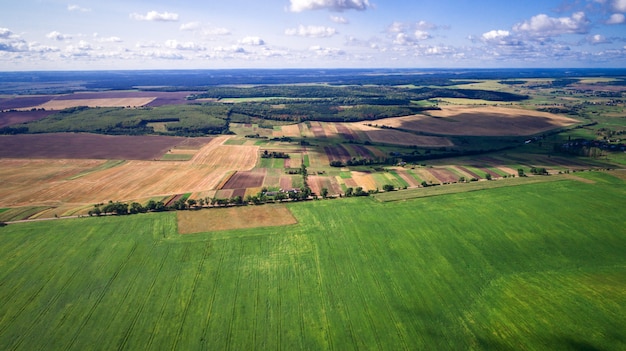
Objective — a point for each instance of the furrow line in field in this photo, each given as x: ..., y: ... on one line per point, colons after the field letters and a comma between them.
x: 55, y: 298
x: 48, y: 305
x: 15, y: 292
x: 165, y: 304
x: 212, y: 300
x: 320, y: 291
x: 100, y: 297
x: 298, y: 269
x: 345, y: 308
x: 256, y: 296
x: 364, y: 304
x: 150, y: 290
x: 196, y: 278
x: 234, y: 310
x: 381, y: 290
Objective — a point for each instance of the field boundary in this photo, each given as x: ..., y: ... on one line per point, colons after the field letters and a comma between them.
x: 415, y: 193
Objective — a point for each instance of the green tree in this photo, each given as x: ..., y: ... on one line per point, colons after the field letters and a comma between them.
x: 488, y: 176
x: 388, y: 187
x: 324, y: 192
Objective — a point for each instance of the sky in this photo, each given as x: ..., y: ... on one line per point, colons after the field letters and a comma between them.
x: 214, y: 34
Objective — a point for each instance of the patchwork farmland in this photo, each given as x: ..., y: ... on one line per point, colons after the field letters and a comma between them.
x: 493, y: 217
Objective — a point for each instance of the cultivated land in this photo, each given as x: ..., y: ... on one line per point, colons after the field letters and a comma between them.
x: 506, y: 233
x: 507, y: 269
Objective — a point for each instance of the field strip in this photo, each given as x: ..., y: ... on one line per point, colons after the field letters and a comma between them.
x: 139, y: 310
x: 233, y: 317
x: 463, y: 187
x: 106, y: 165
x: 216, y: 281
x: 323, y: 298
x: 164, y: 305
x: 100, y: 297
x: 365, y: 307
x: 15, y: 292
x: 378, y: 254
x: 194, y: 286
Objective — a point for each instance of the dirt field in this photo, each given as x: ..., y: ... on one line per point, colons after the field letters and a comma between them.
x: 389, y: 136
x: 480, y: 121
x: 27, y: 181
x: 211, y: 220
x: 108, y: 102
x: 243, y: 180
x: 88, y: 146
x: 11, y: 118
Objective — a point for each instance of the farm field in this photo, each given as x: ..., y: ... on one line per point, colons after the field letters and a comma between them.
x: 32, y: 181
x: 507, y: 268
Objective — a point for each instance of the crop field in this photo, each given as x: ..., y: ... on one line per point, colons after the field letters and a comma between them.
x: 88, y: 146
x: 480, y: 121
x: 506, y: 268
x: 44, y: 181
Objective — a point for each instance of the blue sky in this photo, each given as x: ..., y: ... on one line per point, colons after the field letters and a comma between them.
x: 180, y: 34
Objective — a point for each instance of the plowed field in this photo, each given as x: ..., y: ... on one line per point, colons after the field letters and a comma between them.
x: 480, y: 121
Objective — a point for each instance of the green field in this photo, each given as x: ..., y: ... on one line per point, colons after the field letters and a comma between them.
x: 529, y: 267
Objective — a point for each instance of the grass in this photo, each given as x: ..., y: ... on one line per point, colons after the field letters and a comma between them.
x: 20, y: 213
x: 177, y: 157
x: 507, y: 268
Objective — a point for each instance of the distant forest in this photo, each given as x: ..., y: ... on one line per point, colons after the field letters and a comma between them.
x: 288, y: 103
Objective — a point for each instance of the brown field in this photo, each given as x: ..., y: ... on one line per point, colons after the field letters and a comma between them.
x: 108, y: 102
x: 157, y: 98
x: 88, y: 146
x: 28, y: 181
x: 407, y: 177
x: 11, y: 118
x: 217, y: 219
x: 245, y: 179
x: 480, y: 121
x: 390, y: 136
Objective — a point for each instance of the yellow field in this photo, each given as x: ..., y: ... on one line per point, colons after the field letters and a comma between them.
x: 35, y: 182
x: 108, y: 102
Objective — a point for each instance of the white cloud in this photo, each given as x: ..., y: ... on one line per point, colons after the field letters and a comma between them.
x: 58, y: 36
x: 155, y: 16
x: 189, y: 45
x: 339, y: 19
x: 333, y: 5
x: 72, y: 7
x: 598, y: 39
x: 619, y: 5
x: 215, y: 31
x: 616, y: 18
x: 190, y: 26
x: 397, y: 27
x: 495, y: 35
x: 322, y: 51
x: 252, y: 41
x: 422, y: 35
x: 543, y: 25
x: 5, y: 33
x: 112, y: 39
x: 312, y: 31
